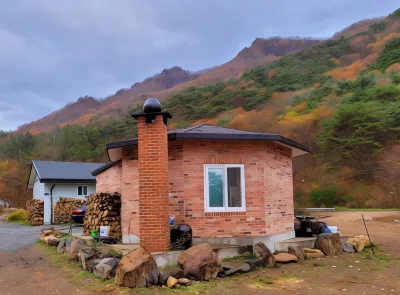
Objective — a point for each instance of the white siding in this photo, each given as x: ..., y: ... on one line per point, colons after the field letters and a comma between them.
x: 61, y: 191
x: 38, y: 190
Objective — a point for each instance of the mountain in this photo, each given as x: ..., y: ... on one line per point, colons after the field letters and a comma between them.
x: 340, y: 96
x: 167, y: 82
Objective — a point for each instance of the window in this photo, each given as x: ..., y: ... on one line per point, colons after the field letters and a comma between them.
x: 82, y: 191
x: 224, y: 188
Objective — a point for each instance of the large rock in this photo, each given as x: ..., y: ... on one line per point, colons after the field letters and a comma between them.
x: 171, y: 282
x: 63, y: 244
x: 255, y: 263
x: 175, y: 272
x: 238, y: 269
x: 106, y: 268
x: 318, y: 254
x: 137, y: 269
x: 297, y: 251
x: 86, y: 255
x: 262, y: 252
x: 329, y: 244
x: 76, y: 245
x: 359, y: 242
x: 200, y: 262
x: 285, y: 258
x: 51, y: 240
x: 348, y: 248
x: 44, y: 233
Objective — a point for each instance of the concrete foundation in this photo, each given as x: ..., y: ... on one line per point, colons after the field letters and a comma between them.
x: 269, y: 241
x: 302, y: 242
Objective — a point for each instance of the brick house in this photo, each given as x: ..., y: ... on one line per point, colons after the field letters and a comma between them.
x: 230, y: 186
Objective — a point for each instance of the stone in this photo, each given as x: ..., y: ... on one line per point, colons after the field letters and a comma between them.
x: 297, y: 251
x: 85, y: 255
x: 242, y: 268
x: 309, y: 250
x: 47, y: 238
x: 76, y: 245
x: 311, y: 255
x: 262, y: 252
x: 285, y: 258
x: 329, y: 244
x: 359, y: 242
x: 171, y: 282
x: 63, y: 244
x: 44, y: 233
x: 106, y: 268
x: 184, y: 281
x: 53, y: 241
x: 175, y: 272
x: 137, y: 269
x: 255, y: 263
x: 348, y: 248
x: 200, y: 263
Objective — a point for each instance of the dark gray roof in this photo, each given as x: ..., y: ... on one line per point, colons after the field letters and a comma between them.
x: 65, y: 171
x: 103, y: 167
x: 211, y: 132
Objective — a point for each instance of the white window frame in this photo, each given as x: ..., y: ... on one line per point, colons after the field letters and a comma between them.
x: 77, y: 190
x: 225, y: 208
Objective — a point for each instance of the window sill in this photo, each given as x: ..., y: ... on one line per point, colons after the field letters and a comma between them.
x: 226, y: 213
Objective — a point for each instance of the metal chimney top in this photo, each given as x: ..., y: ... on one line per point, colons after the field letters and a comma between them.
x: 151, y: 109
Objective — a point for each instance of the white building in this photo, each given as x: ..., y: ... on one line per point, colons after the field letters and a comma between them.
x: 52, y: 180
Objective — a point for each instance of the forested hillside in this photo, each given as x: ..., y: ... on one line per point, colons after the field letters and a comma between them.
x: 340, y: 96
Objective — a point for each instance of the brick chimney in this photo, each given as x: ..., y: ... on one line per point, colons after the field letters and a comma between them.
x: 153, y: 176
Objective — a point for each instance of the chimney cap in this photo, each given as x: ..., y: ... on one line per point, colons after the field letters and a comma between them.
x: 152, y: 105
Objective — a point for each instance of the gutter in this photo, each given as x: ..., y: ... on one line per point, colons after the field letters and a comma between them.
x: 51, y: 202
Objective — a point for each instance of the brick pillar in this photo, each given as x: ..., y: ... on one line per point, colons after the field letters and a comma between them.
x: 153, y: 183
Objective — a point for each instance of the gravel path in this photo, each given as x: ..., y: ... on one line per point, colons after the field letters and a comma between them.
x: 15, y: 236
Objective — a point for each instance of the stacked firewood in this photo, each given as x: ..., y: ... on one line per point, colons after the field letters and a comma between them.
x: 103, y: 209
x: 64, y: 207
x: 35, y: 211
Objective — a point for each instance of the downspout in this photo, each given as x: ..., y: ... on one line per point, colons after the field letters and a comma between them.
x: 51, y: 202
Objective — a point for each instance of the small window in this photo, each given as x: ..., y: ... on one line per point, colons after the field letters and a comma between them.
x: 224, y: 188
x: 82, y: 191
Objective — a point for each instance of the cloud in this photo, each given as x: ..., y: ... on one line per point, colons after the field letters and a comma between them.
x: 53, y: 52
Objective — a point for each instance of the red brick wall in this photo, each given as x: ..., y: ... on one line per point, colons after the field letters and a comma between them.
x: 268, y: 182
x: 153, y: 184
x: 110, y: 180
x: 130, y: 195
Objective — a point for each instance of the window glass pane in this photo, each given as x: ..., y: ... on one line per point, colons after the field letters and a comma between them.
x: 79, y: 190
x: 215, y: 187
x: 85, y: 190
x: 234, y: 187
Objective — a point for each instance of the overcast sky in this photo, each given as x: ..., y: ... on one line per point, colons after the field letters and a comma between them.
x: 52, y: 52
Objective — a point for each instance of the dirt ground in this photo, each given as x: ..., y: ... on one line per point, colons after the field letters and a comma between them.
x: 37, y: 269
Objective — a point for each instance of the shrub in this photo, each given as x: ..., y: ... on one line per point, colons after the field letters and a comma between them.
x: 378, y: 27
x: 18, y: 215
x: 328, y: 197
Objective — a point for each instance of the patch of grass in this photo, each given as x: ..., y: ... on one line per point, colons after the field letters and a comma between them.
x: 17, y: 216
x: 240, y: 257
x: 114, y: 253
x: 24, y: 222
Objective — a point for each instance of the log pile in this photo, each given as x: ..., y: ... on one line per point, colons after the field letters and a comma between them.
x: 64, y: 207
x: 35, y: 211
x: 103, y: 209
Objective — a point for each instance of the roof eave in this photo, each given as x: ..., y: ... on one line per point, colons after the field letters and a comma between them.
x: 59, y: 180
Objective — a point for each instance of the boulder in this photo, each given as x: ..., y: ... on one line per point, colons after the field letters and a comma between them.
x: 53, y: 241
x: 175, y: 272
x: 285, y: 258
x: 297, y: 251
x: 106, y: 268
x: 44, y: 233
x: 262, y: 252
x: 255, y: 263
x: 184, y: 282
x: 61, y: 248
x: 171, y: 282
x: 314, y: 254
x: 76, y: 245
x: 329, y: 244
x: 359, y: 242
x: 85, y: 255
x: 137, y: 269
x: 242, y: 268
x: 200, y: 262
x: 348, y: 248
